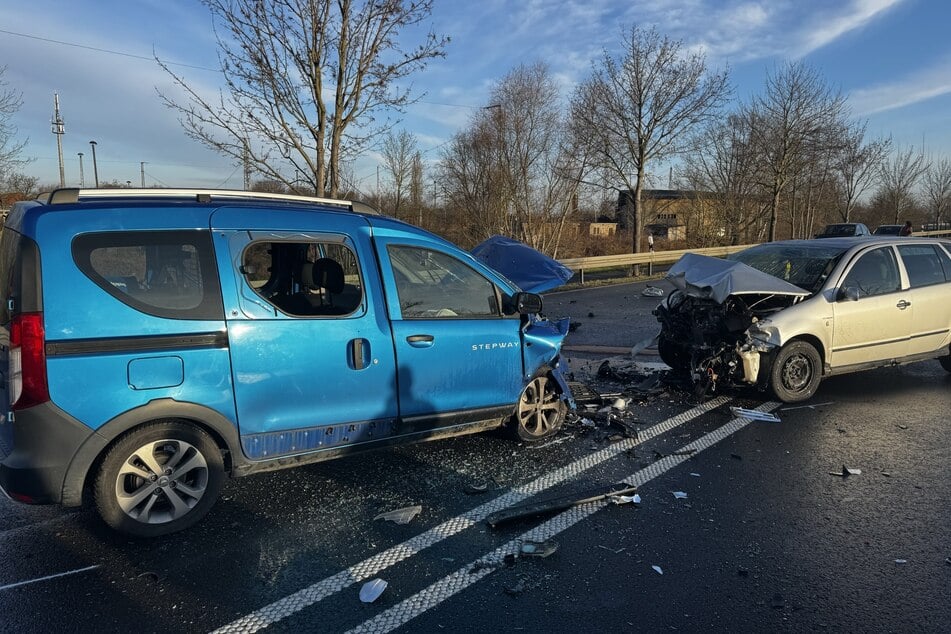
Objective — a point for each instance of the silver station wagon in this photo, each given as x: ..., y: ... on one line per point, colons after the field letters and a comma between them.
x: 783, y: 315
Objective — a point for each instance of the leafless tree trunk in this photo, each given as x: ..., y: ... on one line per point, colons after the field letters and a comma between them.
x: 416, y: 186
x: 792, y: 117
x: 302, y: 79
x: 899, y: 175
x: 642, y: 106
x: 938, y: 189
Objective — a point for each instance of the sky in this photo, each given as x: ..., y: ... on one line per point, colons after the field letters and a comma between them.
x: 892, y: 58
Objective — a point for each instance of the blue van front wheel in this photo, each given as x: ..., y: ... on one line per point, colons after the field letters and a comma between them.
x: 540, y: 412
x: 158, y: 479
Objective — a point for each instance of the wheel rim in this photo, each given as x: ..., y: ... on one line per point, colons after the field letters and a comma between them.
x: 797, y: 373
x: 539, y: 408
x: 161, y: 481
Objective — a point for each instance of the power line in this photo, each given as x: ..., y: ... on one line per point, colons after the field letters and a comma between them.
x: 105, y: 50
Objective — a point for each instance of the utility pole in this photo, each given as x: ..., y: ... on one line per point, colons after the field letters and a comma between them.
x: 95, y: 167
x: 59, y: 129
x: 82, y: 178
x: 142, y: 171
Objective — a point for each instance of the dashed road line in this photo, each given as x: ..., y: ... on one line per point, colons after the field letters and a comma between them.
x: 48, y: 577
x: 469, y: 574
x: 370, y: 567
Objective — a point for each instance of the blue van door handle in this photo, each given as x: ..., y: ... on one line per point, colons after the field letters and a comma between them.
x: 420, y: 341
x: 359, y: 354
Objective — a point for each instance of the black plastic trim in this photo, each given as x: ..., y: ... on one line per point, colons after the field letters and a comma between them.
x: 137, y: 344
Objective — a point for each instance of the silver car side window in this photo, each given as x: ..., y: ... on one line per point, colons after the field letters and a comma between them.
x: 874, y: 273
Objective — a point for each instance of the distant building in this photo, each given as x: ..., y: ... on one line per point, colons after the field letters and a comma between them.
x: 667, y: 212
x: 602, y: 229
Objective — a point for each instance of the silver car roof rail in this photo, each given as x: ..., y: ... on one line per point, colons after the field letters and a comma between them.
x: 73, y: 195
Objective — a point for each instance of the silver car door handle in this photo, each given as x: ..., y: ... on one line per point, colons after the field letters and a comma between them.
x: 420, y: 341
x: 903, y: 304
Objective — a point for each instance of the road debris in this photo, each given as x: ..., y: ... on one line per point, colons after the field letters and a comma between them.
x: 901, y: 561
x: 752, y: 414
x: 372, y: 590
x: 476, y: 489
x: 695, y: 475
x: 611, y: 550
x: 556, y: 441
x: 658, y: 570
x: 652, y: 291
x: 626, y: 499
x: 538, y: 549
x: 680, y: 452
x: 400, y: 516
x: 559, y: 503
x: 641, y: 346
x: 846, y: 472
x: 679, y: 495
x: 812, y: 407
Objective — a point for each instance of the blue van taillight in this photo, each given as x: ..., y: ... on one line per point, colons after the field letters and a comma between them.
x: 28, y: 385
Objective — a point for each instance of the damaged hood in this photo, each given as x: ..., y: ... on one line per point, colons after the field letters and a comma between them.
x: 716, y: 279
x: 530, y: 270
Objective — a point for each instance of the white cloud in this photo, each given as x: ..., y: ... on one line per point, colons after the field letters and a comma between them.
x: 828, y: 27
x: 918, y: 86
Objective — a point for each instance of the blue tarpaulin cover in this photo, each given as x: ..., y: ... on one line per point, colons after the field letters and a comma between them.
x: 531, y: 270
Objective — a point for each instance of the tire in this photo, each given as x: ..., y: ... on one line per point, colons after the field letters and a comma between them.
x: 796, y: 372
x: 673, y: 355
x: 138, y: 495
x: 540, y: 411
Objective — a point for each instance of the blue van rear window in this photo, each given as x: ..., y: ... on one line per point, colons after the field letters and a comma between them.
x: 168, y: 274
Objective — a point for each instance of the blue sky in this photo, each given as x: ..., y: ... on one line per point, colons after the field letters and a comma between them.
x: 891, y: 57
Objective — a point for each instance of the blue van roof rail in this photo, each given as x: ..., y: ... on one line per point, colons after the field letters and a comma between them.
x: 74, y: 195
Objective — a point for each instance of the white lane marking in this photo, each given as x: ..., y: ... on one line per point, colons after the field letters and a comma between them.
x: 413, y: 606
x: 48, y: 577
x: 282, y: 608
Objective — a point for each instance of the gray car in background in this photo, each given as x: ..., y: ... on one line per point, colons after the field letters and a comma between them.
x: 782, y: 315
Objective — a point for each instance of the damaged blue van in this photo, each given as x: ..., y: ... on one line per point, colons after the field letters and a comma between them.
x: 156, y: 342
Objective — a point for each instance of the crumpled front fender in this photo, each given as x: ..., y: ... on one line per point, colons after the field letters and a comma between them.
x: 542, y: 349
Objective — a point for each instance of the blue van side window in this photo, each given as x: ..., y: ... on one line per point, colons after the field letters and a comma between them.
x: 169, y: 274
x: 304, y: 279
x: 433, y: 285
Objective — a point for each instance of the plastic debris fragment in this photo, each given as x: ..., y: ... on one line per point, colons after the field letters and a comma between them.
x: 626, y: 499
x: 901, y: 561
x: 846, y: 472
x: 476, y: 489
x: 538, y: 549
x: 400, y: 516
x: 753, y: 414
x: 658, y: 570
x: 696, y: 475
x: 652, y: 291
x: 680, y: 495
x: 372, y: 590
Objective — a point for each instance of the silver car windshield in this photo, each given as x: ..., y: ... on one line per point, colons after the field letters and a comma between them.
x: 805, y: 266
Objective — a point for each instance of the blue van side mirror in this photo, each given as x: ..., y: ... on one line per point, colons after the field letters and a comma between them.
x: 528, y: 303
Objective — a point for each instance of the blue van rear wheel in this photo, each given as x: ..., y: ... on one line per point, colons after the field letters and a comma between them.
x: 159, y: 479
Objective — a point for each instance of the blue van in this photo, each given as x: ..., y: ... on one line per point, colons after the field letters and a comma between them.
x: 157, y: 341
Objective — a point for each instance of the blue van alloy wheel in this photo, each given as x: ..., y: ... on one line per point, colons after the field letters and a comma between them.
x: 540, y: 412
x: 159, y: 479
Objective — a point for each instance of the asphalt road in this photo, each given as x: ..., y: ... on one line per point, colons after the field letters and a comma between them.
x: 766, y: 539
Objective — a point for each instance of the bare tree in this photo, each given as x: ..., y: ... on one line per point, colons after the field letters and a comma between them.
x: 789, y: 122
x: 856, y: 165
x: 938, y: 189
x: 642, y: 106
x: 723, y: 171
x: 515, y: 171
x: 10, y: 148
x: 899, y: 175
x: 303, y: 79
x: 399, y: 151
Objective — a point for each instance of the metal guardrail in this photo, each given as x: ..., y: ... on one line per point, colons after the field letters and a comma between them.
x: 669, y: 257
